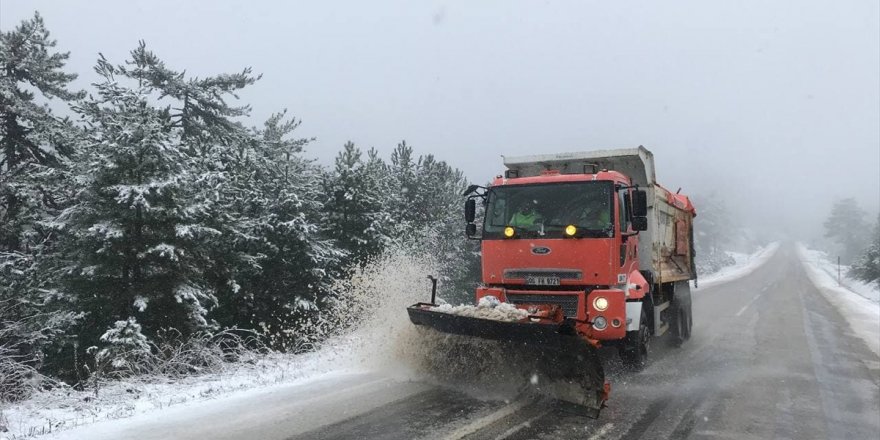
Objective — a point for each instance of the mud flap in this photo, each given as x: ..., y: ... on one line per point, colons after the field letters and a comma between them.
x: 557, y: 362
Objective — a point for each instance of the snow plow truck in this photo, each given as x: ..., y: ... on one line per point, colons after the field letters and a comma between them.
x: 595, y: 252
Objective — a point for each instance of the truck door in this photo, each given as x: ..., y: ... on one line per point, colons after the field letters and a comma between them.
x: 627, y: 244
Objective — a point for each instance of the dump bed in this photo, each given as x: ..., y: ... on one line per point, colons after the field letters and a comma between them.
x: 666, y: 248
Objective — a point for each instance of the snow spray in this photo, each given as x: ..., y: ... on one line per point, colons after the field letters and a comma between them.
x: 372, y: 331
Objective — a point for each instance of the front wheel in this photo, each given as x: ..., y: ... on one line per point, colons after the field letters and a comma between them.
x: 634, y: 352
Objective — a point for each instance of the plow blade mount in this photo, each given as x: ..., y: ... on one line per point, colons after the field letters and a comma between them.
x: 556, y: 361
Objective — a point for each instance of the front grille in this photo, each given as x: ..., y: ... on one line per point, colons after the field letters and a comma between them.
x: 562, y: 274
x: 568, y: 303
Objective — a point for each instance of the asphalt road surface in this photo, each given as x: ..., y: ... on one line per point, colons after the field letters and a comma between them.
x: 769, y: 358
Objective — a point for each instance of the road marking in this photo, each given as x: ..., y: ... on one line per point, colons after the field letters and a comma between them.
x: 487, y: 420
x: 602, y: 431
x: 522, y: 425
x: 740, y: 312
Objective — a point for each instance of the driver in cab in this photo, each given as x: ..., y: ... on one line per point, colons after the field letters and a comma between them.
x: 526, y: 217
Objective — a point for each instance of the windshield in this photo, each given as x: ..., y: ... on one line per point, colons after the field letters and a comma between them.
x: 545, y: 210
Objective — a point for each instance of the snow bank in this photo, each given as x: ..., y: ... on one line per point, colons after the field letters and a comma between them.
x: 861, y: 309
x: 745, y: 264
x: 822, y: 261
x: 487, y: 308
x: 64, y: 408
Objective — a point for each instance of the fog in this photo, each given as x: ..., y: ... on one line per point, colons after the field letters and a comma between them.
x: 773, y: 107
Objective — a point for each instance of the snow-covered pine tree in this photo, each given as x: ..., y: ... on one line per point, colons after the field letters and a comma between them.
x: 354, y: 205
x: 280, y: 194
x: 220, y: 150
x: 134, y: 257
x: 35, y: 146
x: 846, y: 225
x: 402, y: 182
x: 438, y: 206
x: 199, y: 106
x: 34, y: 141
x: 425, y: 205
x: 867, y: 265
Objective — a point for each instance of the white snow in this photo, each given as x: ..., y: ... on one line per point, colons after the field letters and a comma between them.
x: 276, y: 412
x: 859, y: 305
x: 745, y: 264
x: 488, y: 307
x: 63, y: 408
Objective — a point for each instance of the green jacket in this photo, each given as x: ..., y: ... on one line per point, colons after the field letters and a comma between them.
x: 522, y: 220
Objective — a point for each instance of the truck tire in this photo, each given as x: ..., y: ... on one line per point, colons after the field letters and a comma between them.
x: 681, y: 323
x: 634, y: 352
x: 682, y: 319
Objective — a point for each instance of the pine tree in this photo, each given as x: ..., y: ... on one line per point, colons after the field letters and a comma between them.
x: 354, y: 205
x: 34, y: 141
x: 35, y: 146
x: 847, y: 227
x: 867, y: 265
x: 426, y: 205
x: 134, y: 255
x: 402, y: 186
x: 199, y: 107
x: 288, y: 274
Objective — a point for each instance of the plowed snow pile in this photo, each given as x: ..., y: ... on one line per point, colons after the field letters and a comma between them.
x: 487, y: 308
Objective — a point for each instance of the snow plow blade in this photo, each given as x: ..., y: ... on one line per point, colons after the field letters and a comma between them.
x: 557, y: 362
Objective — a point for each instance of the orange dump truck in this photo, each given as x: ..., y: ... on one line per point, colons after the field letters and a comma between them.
x: 595, y: 252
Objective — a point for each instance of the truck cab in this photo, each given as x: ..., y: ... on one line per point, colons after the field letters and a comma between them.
x: 593, y: 236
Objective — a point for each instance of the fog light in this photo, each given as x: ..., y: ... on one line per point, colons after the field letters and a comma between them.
x: 600, y: 303
x: 599, y: 323
x: 509, y: 231
x: 615, y: 322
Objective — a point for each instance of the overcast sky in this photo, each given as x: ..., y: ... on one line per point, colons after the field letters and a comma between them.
x: 773, y: 105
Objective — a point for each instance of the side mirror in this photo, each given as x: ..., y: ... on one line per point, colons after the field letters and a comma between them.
x: 470, y: 210
x: 640, y: 223
x: 470, y: 229
x: 639, y: 203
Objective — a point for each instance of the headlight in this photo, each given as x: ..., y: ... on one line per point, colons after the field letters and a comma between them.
x: 600, y: 303
x: 599, y: 323
x: 509, y: 231
x: 570, y: 230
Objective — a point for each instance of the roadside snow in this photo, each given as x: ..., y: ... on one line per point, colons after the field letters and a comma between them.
x: 64, y: 408
x: 745, y: 264
x: 487, y: 308
x: 822, y: 261
x: 857, y: 302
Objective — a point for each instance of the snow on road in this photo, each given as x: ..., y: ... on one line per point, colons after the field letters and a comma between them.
x: 745, y: 264
x: 859, y: 305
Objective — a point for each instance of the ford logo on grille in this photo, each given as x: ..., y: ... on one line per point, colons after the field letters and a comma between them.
x: 540, y: 250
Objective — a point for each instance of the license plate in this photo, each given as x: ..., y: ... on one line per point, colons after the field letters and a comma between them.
x: 542, y: 281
